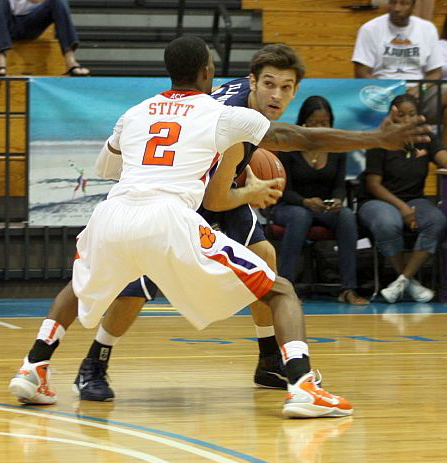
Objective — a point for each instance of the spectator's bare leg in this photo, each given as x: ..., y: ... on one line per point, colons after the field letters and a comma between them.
x: 397, y: 261
x: 2, y: 64
x: 416, y: 260
x: 73, y: 66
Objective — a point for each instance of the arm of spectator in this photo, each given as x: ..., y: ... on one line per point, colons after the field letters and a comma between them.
x: 292, y: 197
x: 361, y: 71
x: 339, y: 190
x: 375, y: 188
x: 364, y: 55
x: 315, y: 205
x: 434, y: 74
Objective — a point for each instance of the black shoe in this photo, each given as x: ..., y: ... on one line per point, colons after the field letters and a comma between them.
x: 270, y: 373
x: 91, y: 382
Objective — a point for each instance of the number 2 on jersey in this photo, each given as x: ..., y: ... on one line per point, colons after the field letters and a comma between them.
x: 171, y: 137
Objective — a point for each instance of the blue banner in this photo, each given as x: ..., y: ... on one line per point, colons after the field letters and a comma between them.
x: 71, y: 119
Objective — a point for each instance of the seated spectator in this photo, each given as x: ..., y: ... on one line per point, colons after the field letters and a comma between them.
x: 314, y: 195
x: 394, y: 188
x: 398, y: 45
x: 27, y: 19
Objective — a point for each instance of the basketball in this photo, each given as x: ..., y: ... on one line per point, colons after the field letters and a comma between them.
x: 266, y: 166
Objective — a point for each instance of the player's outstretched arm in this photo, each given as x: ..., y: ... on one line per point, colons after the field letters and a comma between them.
x: 391, y: 136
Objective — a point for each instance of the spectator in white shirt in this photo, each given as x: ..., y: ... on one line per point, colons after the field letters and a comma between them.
x: 398, y: 45
x: 27, y: 19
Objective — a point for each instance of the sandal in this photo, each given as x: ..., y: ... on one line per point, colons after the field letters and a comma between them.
x: 74, y: 71
x: 349, y: 296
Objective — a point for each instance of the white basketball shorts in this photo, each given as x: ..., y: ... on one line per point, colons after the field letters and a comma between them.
x: 205, y: 275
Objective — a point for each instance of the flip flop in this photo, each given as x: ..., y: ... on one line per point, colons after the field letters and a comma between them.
x: 72, y: 72
x: 349, y: 296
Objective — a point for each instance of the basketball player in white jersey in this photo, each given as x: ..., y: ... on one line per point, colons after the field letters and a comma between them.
x: 148, y: 224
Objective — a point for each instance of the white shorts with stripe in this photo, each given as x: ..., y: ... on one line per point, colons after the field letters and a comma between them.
x: 204, y: 274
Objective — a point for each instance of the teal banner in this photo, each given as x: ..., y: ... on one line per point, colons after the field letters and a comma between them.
x: 71, y: 119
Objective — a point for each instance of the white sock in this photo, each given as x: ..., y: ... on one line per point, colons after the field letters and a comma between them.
x: 103, y: 337
x: 51, y: 331
x: 294, y: 350
x: 264, y: 331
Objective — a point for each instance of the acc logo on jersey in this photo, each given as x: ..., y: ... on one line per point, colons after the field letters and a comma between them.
x: 376, y: 98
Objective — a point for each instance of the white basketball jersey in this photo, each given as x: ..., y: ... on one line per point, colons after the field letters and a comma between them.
x: 160, y: 148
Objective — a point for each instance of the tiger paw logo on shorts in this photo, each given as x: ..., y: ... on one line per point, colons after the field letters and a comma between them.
x: 207, y: 237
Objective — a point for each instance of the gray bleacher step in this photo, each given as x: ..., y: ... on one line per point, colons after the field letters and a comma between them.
x: 159, y: 18
x: 153, y: 4
x: 101, y: 37
x: 148, y: 69
x: 151, y: 54
x: 118, y: 38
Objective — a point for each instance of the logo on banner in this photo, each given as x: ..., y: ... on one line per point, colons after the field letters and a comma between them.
x: 377, y: 98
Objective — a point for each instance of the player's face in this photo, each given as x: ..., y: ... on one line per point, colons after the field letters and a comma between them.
x: 406, y: 112
x: 400, y: 11
x: 273, y: 91
x: 319, y: 118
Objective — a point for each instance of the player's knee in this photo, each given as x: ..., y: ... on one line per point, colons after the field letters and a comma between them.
x: 282, y: 287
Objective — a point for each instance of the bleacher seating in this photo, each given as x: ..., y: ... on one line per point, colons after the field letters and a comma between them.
x: 40, y: 57
x: 322, y: 31
x: 127, y: 38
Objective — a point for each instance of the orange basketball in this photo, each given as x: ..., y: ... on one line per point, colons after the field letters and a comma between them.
x: 265, y: 165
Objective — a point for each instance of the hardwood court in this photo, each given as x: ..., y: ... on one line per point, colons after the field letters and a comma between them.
x: 188, y: 396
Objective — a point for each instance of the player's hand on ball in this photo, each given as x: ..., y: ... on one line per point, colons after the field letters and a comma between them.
x: 263, y: 193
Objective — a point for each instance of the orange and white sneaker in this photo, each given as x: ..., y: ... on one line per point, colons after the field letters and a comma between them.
x: 31, y: 384
x: 305, y: 399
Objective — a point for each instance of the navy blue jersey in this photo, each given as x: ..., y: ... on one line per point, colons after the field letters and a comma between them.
x: 235, y: 93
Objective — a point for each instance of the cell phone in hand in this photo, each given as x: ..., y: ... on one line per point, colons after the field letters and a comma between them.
x: 329, y: 202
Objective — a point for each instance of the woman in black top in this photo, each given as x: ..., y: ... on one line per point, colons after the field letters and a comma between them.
x: 314, y: 195
x: 394, y: 183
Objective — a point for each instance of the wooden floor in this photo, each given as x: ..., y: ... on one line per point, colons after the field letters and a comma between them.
x: 187, y: 396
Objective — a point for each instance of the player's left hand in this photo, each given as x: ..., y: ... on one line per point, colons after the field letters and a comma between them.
x: 263, y: 193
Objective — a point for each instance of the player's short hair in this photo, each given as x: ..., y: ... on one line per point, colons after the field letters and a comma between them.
x: 405, y: 98
x: 312, y: 104
x: 184, y: 57
x: 280, y: 56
